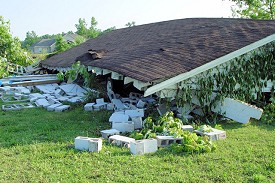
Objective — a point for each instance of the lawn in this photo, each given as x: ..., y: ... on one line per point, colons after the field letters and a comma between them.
x: 37, y: 146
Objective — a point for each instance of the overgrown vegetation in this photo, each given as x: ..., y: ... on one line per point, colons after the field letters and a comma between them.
x: 269, y: 114
x: 10, y: 49
x: 242, y: 79
x: 37, y: 146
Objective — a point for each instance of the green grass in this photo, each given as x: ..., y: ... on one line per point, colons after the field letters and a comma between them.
x: 37, y: 146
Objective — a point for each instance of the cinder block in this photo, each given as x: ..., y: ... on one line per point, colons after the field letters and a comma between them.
x: 138, y: 123
x: 82, y: 143
x: 135, y: 113
x: 88, y: 106
x: 61, y: 108
x: 164, y: 141
x: 120, y: 140
x: 107, y: 133
x: 88, y: 144
x: 187, y: 128
x: 118, y: 117
x: 95, y: 144
x: 214, y: 135
x: 53, y: 106
x: 144, y: 146
x: 127, y: 126
x: 110, y: 107
x: 42, y: 102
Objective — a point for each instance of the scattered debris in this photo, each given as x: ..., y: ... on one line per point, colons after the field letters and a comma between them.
x: 120, y: 140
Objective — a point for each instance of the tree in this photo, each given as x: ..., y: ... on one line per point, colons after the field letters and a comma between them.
x: 130, y: 24
x: 31, y: 38
x: 61, y: 44
x: 10, y: 49
x: 255, y: 9
x: 93, y: 32
x: 81, y: 27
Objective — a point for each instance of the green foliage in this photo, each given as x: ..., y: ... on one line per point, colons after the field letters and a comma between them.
x: 268, y: 115
x: 255, y: 9
x: 168, y: 125
x: 243, y: 78
x: 83, y: 30
x: 31, y: 38
x: 130, y: 24
x: 61, y: 44
x: 10, y: 49
x: 76, y: 70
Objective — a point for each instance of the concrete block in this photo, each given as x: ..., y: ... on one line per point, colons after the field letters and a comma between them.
x: 53, y: 106
x: 118, y: 105
x: 214, y: 135
x: 127, y: 126
x: 88, y: 144
x: 135, y: 113
x: 107, y: 133
x: 120, y: 140
x: 187, y: 128
x: 36, y: 95
x: 47, y: 88
x: 73, y: 90
x: 238, y: 111
x: 42, y: 102
x: 110, y: 107
x: 141, y: 104
x: 164, y: 141
x: 88, y: 106
x: 95, y: 144
x: 138, y: 123
x: 61, y: 108
x: 52, y: 100
x: 63, y: 99
x: 75, y: 99
x: 118, y: 117
x: 100, y: 104
x: 144, y: 146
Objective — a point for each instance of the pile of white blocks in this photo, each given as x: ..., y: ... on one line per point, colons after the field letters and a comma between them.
x: 88, y: 144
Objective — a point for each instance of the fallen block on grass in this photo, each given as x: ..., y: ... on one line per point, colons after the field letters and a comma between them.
x: 88, y: 144
x: 100, y: 104
x: 42, y: 102
x: 107, y: 133
x: 164, y: 141
x: 61, y: 108
x: 143, y: 146
x: 12, y: 107
x: 120, y: 140
x: 53, y: 106
x: 88, y: 106
x: 215, y: 134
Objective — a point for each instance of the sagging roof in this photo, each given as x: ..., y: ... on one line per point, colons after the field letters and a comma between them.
x: 165, y: 49
x: 44, y: 42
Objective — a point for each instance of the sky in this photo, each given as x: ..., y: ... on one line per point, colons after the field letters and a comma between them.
x: 57, y: 16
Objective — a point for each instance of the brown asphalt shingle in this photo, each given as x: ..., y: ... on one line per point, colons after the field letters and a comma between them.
x: 165, y: 49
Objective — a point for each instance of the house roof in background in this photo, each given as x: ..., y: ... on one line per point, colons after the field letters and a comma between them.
x: 165, y: 49
x: 44, y: 42
x: 70, y: 37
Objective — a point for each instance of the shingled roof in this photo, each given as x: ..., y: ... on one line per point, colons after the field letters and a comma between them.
x: 44, y: 42
x: 165, y: 49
